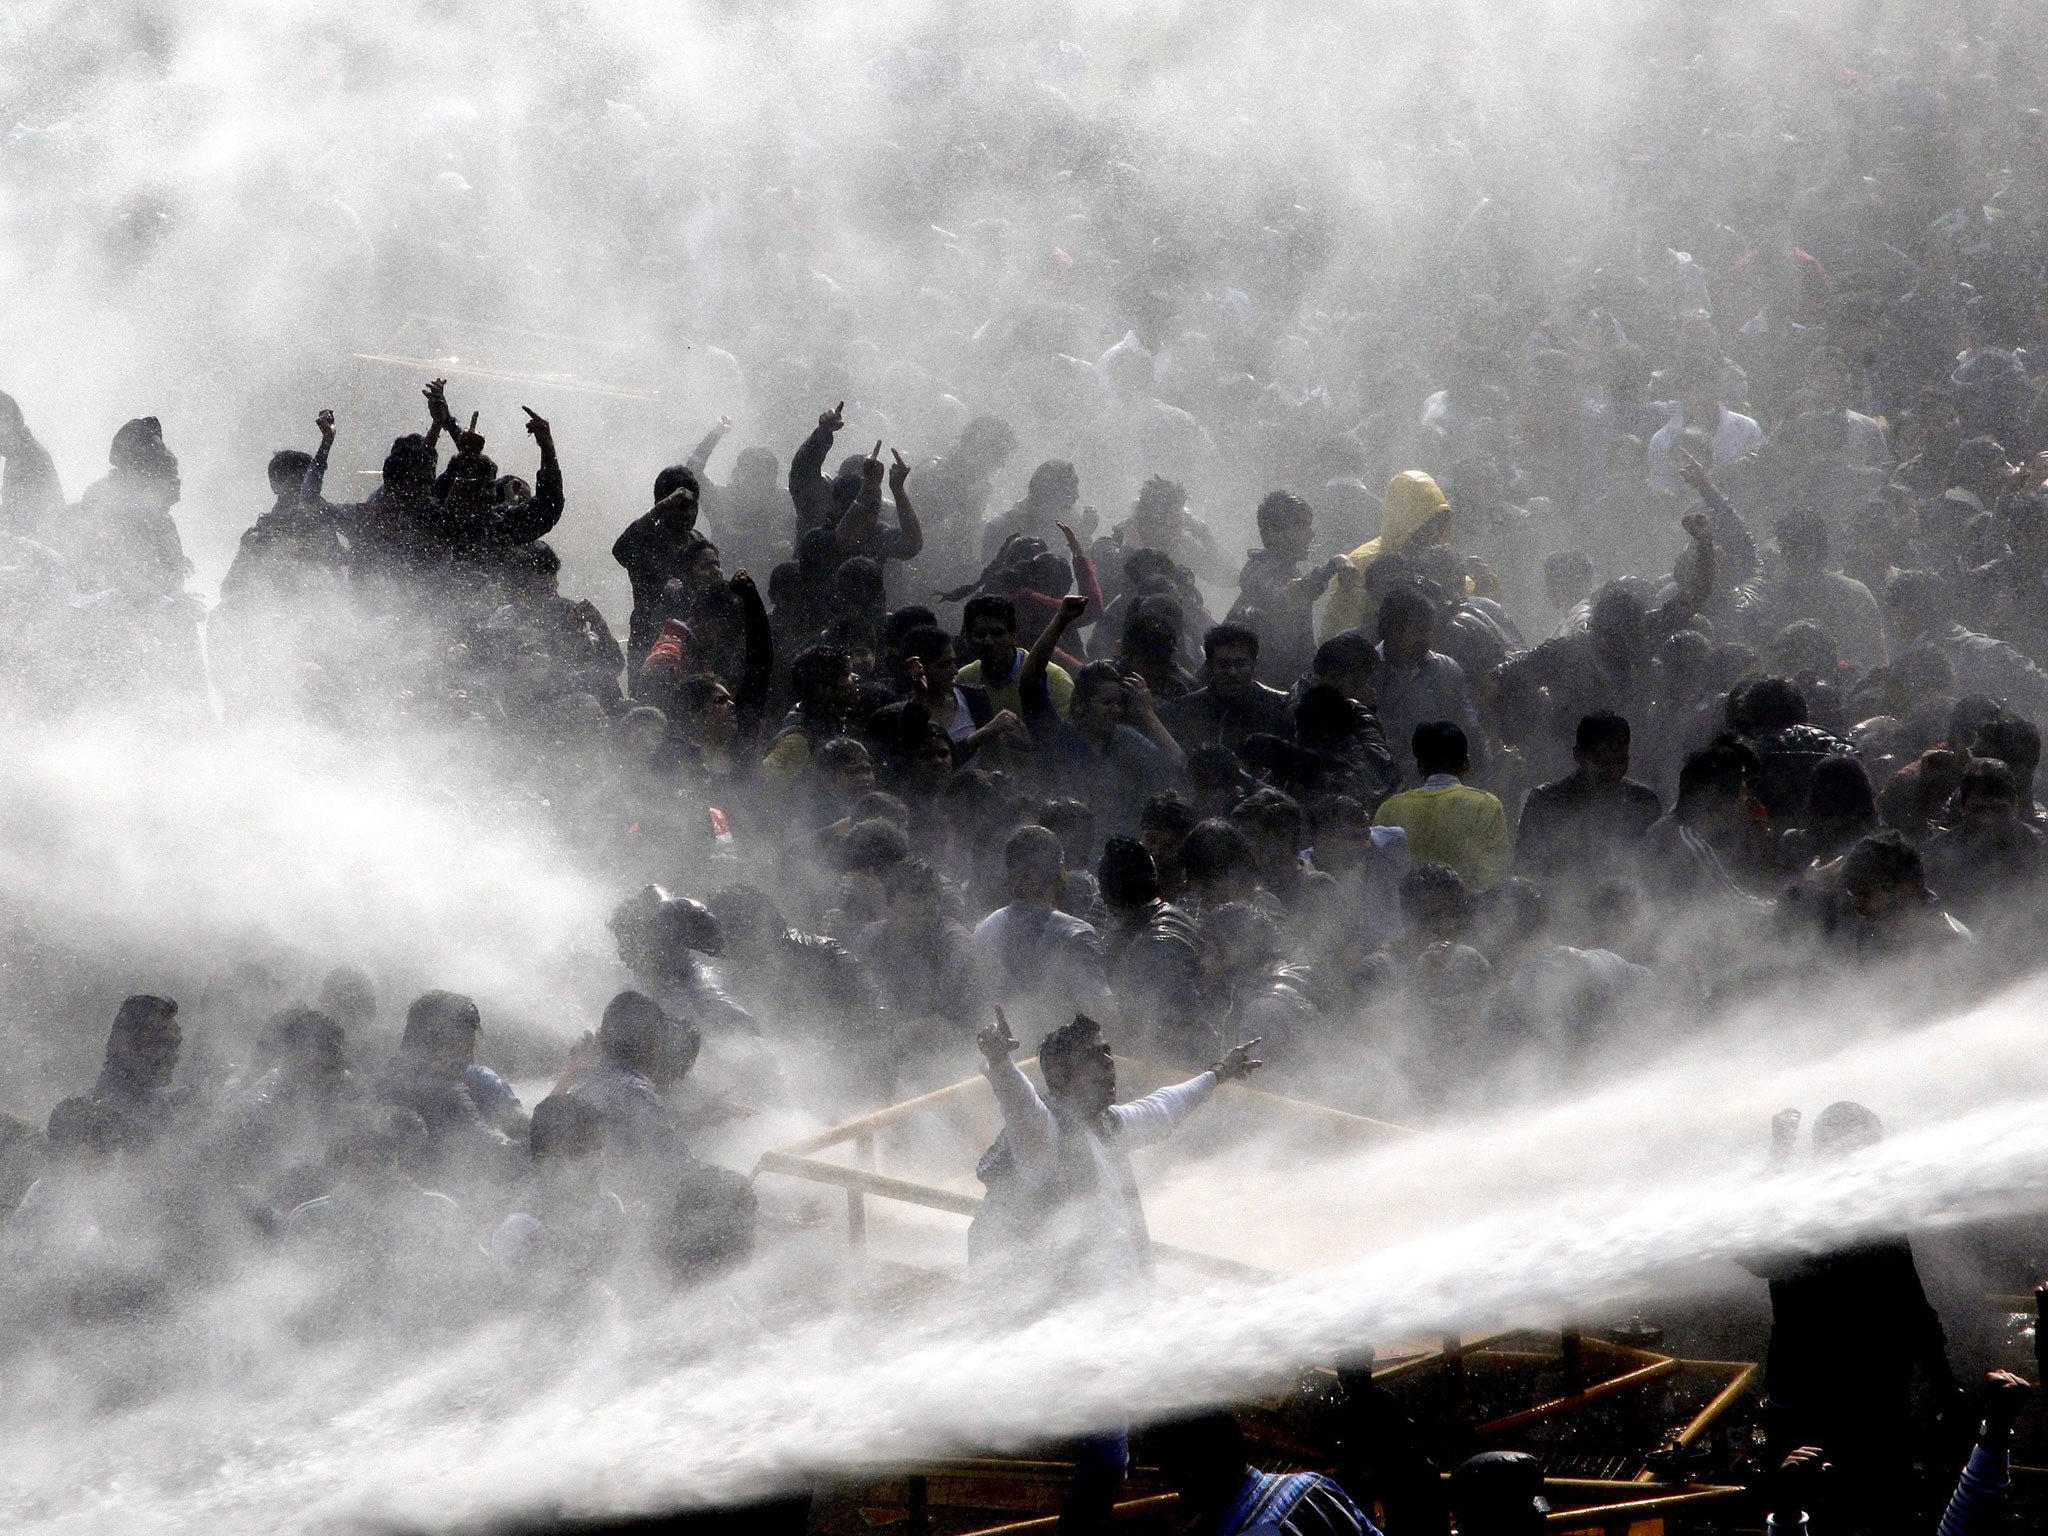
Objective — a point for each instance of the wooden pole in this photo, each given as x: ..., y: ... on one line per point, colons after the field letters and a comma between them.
x: 1577, y: 1400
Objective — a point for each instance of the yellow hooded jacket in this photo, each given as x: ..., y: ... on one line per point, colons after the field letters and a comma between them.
x: 1414, y: 501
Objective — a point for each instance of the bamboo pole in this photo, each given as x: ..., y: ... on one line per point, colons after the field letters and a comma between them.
x: 1745, y: 1376
x: 832, y: 1135
x: 1640, y: 1509
x: 1577, y: 1400
x: 1158, y: 1503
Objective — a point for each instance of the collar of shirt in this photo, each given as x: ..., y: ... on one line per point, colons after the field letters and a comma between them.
x: 1442, y: 781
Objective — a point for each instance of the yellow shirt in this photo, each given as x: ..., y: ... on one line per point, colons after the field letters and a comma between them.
x: 1453, y: 824
x: 1059, y: 685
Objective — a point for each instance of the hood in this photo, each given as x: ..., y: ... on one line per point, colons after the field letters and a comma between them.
x: 1413, y: 501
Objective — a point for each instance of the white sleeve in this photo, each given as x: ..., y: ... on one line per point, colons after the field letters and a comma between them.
x: 1152, y: 1118
x: 1029, y: 1123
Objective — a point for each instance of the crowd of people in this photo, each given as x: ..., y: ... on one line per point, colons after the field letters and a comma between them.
x: 1627, y: 643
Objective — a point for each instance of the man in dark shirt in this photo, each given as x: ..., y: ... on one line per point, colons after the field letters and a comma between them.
x: 1585, y: 827
x: 1232, y: 703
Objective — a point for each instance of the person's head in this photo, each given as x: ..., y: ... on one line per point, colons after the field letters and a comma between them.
x: 409, y: 468
x: 1839, y: 794
x: 1914, y: 603
x: 1601, y: 746
x: 748, y: 920
x: 1151, y: 638
x: 1803, y: 542
x: 1230, y: 655
x: 1034, y: 865
x: 858, y: 590
x: 989, y: 626
x: 1435, y: 904
x: 843, y: 766
x: 440, y: 1032
x: 1218, y: 860
x: 873, y: 847
x: 1440, y: 747
x: 1802, y: 649
x: 986, y: 443
x: 1216, y: 782
x: 1158, y: 512
x: 1716, y: 785
x: 1567, y: 578
x: 140, y: 455
x: 1988, y: 795
x: 1097, y: 705
x: 567, y: 1135
x: 1765, y: 705
x: 1845, y: 1127
x: 143, y: 1045
x: 1127, y: 875
x: 1883, y: 878
x: 1273, y: 824
x: 1074, y: 825
x: 349, y: 997
x: 1201, y: 1457
x: 1347, y: 661
x: 1237, y: 937
x: 677, y: 477
x: 638, y: 733
x: 1615, y: 623
x: 915, y: 893
x: 1079, y: 1068
x: 1343, y: 835
x: 1966, y: 721
x: 1287, y: 525
x: 705, y: 709
x: 287, y: 471
x: 824, y: 681
x: 1498, y: 1493
x: 1163, y: 822
x: 310, y: 1048
x: 636, y: 1034
x: 1407, y: 626
x: 754, y: 470
x: 1054, y: 488
x: 2015, y: 741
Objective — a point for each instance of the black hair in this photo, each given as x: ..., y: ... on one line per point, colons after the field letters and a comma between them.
x: 287, y: 470
x: 1127, y: 875
x: 816, y: 669
x: 1347, y: 651
x: 677, y: 477
x: 988, y: 605
x: 1280, y: 509
x: 1600, y: 729
x: 1987, y: 777
x: 1227, y: 633
x: 564, y: 1126
x: 1213, y: 850
x: 1440, y: 747
x: 1884, y: 859
x: 1405, y: 606
x: 1270, y: 811
x: 1032, y: 856
x: 1167, y: 812
x: 1095, y: 677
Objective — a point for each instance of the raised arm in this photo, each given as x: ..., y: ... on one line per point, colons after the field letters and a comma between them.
x: 860, y: 519
x: 544, y: 509
x: 1031, y: 675
x: 1085, y: 581
x: 708, y: 445
x: 1153, y: 1118
x: 1026, y: 1120
x: 757, y: 671
x: 909, y: 531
